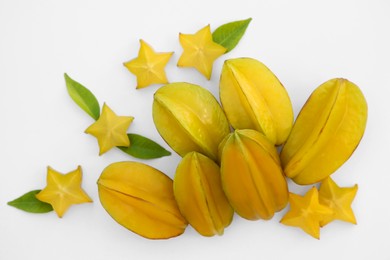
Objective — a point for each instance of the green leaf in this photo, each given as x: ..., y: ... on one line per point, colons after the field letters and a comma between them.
x: 28, y: 202
x: 229, y: 34
x: 83, y: 97
x: 144, y: 148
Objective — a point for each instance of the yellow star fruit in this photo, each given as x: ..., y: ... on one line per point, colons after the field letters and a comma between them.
x: 63, y: 190
x: 110, y: 130
x: 326, y: 132
x: 198, y: 191
x: 140, y: 198
x: 149, y: 66
x: 254, y: 98
x: 189, y: 118
x: 251, y: 175
x: 338, y: 199
x: 200, y: 51
x: 306, y: 212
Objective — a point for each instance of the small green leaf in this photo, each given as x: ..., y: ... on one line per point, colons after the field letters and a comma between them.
x: 28, y: 202
x: 144, y: 148
x: 229, y: 34
x: 83, y: 97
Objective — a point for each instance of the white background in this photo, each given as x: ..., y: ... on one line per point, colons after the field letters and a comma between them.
x: 303, y: 42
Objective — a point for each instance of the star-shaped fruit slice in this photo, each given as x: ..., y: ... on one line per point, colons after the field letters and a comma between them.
x: 110, y: 130
x: 200, y: 51
x: 149, y: 66
x: 338, y: 199
x: 306, y: 212
x: 63, y: 190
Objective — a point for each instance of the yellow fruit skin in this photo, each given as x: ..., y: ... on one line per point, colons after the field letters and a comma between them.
x: 189, y: 118
x: 141, y: 199
x: 327, y: 131
x: 252, y: 176
x: 198, y: 192
x: 253, y: 98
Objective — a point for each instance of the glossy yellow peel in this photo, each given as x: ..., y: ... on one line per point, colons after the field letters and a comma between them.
x: 253, y: 98
x: 326, y: 132
x: 198, y: 192
x: 189, y: 118
x: 140, y: 198
x: 252, y: 177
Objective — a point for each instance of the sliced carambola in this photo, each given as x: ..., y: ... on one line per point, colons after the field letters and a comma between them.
x: 140, y: 198
x: 307, y: 213
x: 327, y: 131
x: 198, y: 192
x: 252, y: 176
x: 339, y: 199
x: 253, y: 98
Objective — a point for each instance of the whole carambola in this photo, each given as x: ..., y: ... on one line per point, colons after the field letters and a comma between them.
x: 140, y: 198
x: 198, y: 192
x: 327, y: 131
x: 253, y: 98
x: 189, y: 118
x: 252, y: 176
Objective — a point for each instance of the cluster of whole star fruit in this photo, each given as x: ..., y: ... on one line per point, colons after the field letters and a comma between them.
x: 241, y: 171
x: 230, y: 161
